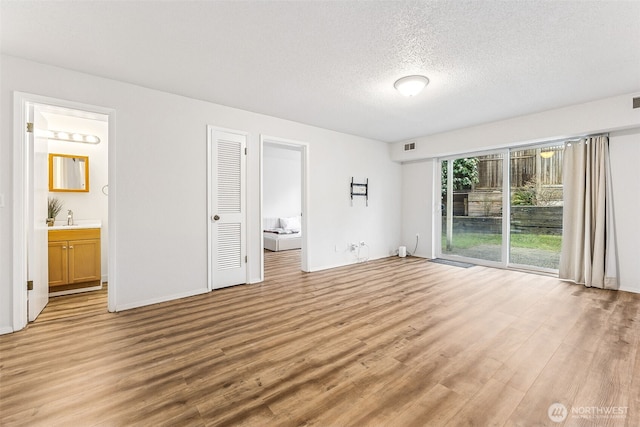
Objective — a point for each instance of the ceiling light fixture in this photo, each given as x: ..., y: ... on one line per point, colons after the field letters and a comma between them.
x: 411, y: 85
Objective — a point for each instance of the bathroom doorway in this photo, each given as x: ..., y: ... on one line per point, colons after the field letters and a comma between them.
x: 65, y: 160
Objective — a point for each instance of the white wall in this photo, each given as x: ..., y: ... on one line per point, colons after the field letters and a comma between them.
x: 418, y: 203
x: 93, y: 204
x: 282, y: 182
x: 334, y: 221
x: 614, y: 115
x: 604, y: 115
x: 160, y: 214
x: 624, y: 152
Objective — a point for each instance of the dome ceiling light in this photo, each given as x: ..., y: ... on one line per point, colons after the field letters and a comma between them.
x: 411, y: 85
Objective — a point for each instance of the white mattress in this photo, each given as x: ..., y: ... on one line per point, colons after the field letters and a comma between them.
x: 282, y: 242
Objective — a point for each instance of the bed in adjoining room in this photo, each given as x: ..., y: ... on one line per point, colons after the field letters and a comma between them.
x: 281, y: 234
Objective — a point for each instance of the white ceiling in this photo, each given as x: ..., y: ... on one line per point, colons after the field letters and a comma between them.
x: 333, y: 64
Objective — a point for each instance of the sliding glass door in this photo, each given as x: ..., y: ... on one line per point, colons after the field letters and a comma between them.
x: 504, y: 208
x: 472, y: 207
x: 536, y: 207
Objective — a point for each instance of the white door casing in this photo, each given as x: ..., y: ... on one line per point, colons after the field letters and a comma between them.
x: 303, y: 147
x: 226, y: 172
x: 37, y: 212
x: 21, y: 170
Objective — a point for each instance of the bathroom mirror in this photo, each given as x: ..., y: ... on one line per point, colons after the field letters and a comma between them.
x: 68, y: 172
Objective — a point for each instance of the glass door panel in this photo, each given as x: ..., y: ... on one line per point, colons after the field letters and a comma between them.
x: 536, y: 206
x: 472, y: 207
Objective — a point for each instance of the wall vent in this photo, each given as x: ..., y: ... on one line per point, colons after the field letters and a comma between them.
x: 410, y: 146
x: 636, y: 102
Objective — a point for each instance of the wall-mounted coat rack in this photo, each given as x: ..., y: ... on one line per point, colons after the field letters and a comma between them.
x: 360, y: 190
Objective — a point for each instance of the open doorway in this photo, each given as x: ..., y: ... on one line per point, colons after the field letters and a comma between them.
x: 83, y: 269
x: 62, y: 207
x: 284, y: 233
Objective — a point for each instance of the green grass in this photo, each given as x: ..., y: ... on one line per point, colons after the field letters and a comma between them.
x: 538, y: 250
x: 537, y: 241
x: 526, y: 241
x: 470, y: 240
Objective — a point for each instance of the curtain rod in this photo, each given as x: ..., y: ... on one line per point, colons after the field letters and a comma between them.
x: 541, y: 144
x: 559, y: 140
x: 593, y: 135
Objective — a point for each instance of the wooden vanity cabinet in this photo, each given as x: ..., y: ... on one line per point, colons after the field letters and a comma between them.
x: 74, y: 259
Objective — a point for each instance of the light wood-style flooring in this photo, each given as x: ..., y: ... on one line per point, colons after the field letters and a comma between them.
x: 392, y: 342
x: 75, y: 305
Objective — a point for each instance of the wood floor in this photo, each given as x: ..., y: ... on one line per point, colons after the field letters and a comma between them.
x: 393, y: 342
x: 75, y: 305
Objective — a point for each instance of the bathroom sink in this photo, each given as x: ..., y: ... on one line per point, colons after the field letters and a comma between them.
x: 78, y: 224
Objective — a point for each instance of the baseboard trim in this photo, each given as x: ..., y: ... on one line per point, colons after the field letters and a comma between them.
x: 75, y: 291
x: 633, y: 290
x: 158, y: 300
x: 6, y: 330
x: 329, y: 267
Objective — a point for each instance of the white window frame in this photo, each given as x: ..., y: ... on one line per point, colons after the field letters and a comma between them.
x: 505, y: 262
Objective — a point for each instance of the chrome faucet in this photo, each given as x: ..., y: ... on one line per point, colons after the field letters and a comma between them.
x: 70, y: 217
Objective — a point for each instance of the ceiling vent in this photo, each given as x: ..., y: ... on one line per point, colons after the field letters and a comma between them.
x: 410, y: 146
x: 636, y: 102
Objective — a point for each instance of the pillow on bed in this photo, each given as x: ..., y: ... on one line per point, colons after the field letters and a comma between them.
x: 291, y: 223
x: 270, y: 223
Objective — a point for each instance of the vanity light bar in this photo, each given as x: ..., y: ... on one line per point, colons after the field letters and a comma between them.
x: 68, y: 136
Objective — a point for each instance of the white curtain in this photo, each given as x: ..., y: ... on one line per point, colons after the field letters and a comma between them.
x: 588, y: 244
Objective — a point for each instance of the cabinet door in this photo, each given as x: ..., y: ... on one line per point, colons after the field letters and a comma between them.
x: 84, y: 260
x: 58, y: 262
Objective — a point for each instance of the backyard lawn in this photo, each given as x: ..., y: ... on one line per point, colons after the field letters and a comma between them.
x: 539, y: 250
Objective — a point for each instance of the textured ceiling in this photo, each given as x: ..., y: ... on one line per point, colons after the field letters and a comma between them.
x: 333, y: 64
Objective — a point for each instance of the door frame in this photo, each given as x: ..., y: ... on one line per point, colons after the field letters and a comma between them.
x: 303, y: 147
x: 210, y: 266
x: 20, y: 189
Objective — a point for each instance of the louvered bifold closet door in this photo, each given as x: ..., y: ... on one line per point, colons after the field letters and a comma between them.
x: 228, y: 208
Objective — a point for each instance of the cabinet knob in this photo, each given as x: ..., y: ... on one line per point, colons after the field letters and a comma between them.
x: 64, y: 247
x: 70, y: 247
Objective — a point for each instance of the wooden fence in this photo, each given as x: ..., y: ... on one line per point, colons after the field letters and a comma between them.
x: 524, y: 220
x: 526, y: 166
